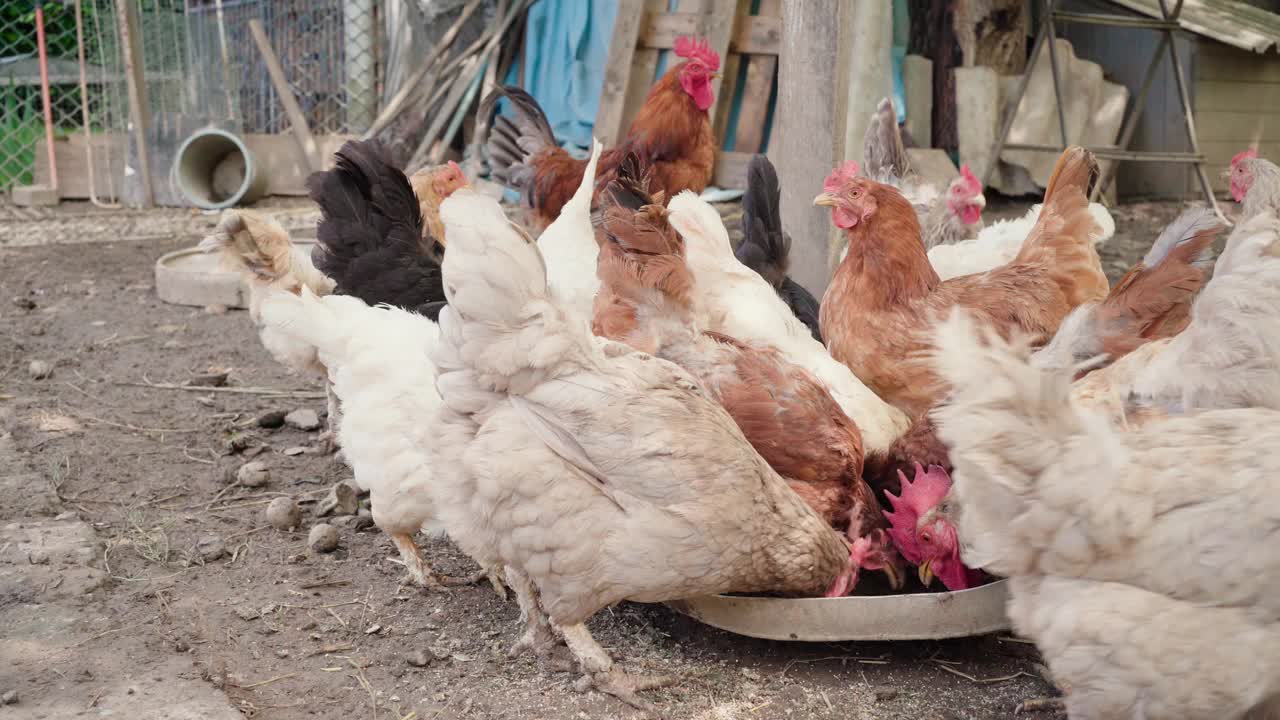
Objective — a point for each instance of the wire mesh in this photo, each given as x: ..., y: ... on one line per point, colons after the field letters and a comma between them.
x: 200, y: 66
x: 328, y: 49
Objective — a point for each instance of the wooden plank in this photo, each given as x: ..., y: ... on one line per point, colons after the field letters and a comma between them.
x: 644, y: 65
x: 731, y: 170
x: 617, y: 73
x: 751, y: 34
x: 308, y: 154
x: 813, y: 89
x: 1238, y: 96
x: 729, y: 82
x: 758, y: 86
x: 715, y: 23
x: 1215, y: 125
x: 1228, y: 64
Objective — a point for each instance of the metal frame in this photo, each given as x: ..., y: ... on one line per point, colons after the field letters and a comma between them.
x: 1166, y: 27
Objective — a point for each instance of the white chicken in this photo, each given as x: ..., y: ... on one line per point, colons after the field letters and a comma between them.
x: 732, y: 299
x: 1150, y: 532
x: 998, y: 243
x: 378, y: 360
x: 257, y: 247
x: 568, y: 245
x: 591, y: 472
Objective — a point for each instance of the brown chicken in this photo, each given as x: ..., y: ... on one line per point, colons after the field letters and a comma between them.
x: 671, y: 134
x: 878, y: 313
x: 1152, y: 301
x: 645, y: 301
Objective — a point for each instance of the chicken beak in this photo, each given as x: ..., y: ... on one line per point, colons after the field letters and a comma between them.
x: 981, y: 202
x: 825, y: 200
x: 895, y: 578
x: 716, y: 75
x: 926, y: 573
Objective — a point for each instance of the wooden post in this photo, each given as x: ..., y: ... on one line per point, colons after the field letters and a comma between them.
x: 307, y: 153
x: 813, y: 88
x: 135, y: 80
x: 610, y: 125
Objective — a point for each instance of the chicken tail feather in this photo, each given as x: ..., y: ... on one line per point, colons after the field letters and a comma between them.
x: 370, y: 238
x: 1062, y: 238
x: 501, y: 323
x: 1153, y: 300
x: 260, y: 249
x: 883, y: 154
x: 765, y: 247
x: 513, y: 141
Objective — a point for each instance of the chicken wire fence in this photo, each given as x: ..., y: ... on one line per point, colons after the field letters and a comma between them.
x: 200, y: 66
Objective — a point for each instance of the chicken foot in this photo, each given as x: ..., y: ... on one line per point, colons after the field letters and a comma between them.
x: 424, y: 576
x: 599, y: 671
x: 539, y: 636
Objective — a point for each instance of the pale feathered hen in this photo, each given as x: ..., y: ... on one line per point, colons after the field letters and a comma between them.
x: 1254, y: 183
x: 256, y: 246
x: 379, y: 363
x: 1144, y: 518
x: 592, y: 472
x: 733, y: 300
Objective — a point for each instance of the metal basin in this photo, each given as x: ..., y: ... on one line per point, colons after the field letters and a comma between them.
x: 920, y: 616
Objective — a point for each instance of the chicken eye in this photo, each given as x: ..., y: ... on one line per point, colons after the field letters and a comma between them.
x: 926, y: 537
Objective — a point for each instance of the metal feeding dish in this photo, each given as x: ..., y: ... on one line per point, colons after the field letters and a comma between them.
x: 192, y: 277
x: 918, y: 616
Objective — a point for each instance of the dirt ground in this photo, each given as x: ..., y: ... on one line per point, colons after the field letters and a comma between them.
x: 135, y: 580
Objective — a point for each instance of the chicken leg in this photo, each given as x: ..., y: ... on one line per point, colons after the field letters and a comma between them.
x: 422, y: 575
x: 327, y: 441
x: 539, y: 636
x: 599, y: 672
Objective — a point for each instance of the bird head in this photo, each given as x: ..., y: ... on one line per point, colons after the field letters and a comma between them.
x: 851, y: 198
x: 965, y: 200
x: 701, y: 66
x: 922, y: 529
x: 1241, y: 173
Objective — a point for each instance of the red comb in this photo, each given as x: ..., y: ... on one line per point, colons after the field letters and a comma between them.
x: 1244, y: 155
x: 700, y: 50
x: 843, y: 173
x: 969, y: 177
x: 915, y: 499
x: 454, y: 166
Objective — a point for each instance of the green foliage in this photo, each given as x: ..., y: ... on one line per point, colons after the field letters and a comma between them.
x: 19, y: 132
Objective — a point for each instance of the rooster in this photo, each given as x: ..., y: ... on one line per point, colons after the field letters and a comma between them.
x: 593, y: 473
x: 880, y: 306
x: 731, y: 299
x: 646, y: 302
x: 1107, y: 532
x: 1120, y: 335
x: 766, y: 248
x: 671, y: 134
x: 1254, y: 183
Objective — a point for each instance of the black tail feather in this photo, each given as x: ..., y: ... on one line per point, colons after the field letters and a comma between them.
x: 370, y: 238
x: 513, y: 140
x: 765, y: 247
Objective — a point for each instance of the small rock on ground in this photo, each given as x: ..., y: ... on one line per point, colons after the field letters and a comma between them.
x: 323, y: 538
x: 303, y: 419
x: 39, y: 370
x: 271, y: 419
x: 253, y: 474
x: 283, y: 514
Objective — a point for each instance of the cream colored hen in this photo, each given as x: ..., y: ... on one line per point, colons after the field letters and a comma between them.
x: 1095, y: 562
x: 592, y: 472
x: 734, y: 300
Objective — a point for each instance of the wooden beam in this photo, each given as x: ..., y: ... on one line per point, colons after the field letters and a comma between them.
x: 308, y: 155
x: 752, y: 34
x: 139, y: 105
x: 617, y: 73
x: 644, y: 66
x: 729, y: 82
x: 813, y: 88
x: 759, y: 85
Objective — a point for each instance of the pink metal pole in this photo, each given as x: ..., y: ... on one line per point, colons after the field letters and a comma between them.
x: 44, y: 93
